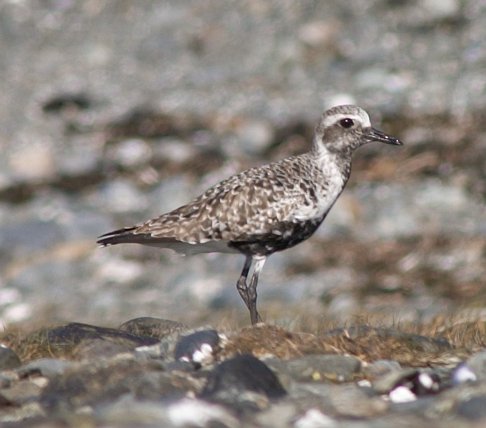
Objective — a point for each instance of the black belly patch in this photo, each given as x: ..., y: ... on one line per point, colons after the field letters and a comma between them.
x: 267, y: 243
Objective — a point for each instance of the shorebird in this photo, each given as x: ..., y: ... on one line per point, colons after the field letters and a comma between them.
x: 264, y: 209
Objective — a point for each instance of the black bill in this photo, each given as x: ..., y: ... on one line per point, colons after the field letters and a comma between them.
x: 373, y: 134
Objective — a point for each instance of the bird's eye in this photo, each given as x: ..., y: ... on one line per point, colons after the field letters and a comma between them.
x: 346, y: 123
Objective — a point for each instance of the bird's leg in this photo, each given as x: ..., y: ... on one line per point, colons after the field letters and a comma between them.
x: 241, y: 285
x: 258, y: 263
x: 248, y: 291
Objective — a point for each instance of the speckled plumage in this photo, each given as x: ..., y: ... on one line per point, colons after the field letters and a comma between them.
x: 264, y: 209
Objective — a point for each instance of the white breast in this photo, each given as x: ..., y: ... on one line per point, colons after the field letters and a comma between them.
x: 327, y: 192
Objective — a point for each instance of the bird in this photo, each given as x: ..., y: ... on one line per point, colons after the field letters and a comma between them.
x: 264, y: 209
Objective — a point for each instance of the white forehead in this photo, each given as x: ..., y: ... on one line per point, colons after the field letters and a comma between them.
x: 358, y: 115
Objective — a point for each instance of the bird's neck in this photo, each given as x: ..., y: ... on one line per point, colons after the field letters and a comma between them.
x: 338, y: 162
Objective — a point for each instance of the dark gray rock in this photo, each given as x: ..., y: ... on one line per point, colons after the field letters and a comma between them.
x: 473, y: 408
x: 67, y: 101
x: 8, y: 358
x: 242, y: 381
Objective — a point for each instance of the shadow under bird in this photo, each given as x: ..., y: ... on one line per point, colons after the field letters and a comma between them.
x: 264, y: 209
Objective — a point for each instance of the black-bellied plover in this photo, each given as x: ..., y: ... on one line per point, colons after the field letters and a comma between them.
x: 264, y: 209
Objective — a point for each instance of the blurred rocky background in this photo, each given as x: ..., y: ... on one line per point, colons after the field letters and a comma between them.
x: 115, y: 111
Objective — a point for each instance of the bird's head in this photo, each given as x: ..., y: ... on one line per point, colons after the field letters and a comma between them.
x: 344, y: 128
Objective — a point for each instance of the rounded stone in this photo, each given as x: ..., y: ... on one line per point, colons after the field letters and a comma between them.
x: 198, y: 348
x: 232, y: 380
x: 8, y: 358
x: 152, y: 327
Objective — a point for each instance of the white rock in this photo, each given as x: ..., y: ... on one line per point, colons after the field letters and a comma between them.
x: 401, y: 394
x: 314, y: 418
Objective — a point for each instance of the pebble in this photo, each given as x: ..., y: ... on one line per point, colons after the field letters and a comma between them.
x: 16, y: 313
x: 99, y: 348
x: 255, y: 136
x: 171, y: 193
x: 198, y: 348
x: 473, y: 408
x: 152, y: 327
x: 314, y: 418
x: 408, y: 384
x: 322, y: 368
x: 402, y: 394
x: 463, y: 374
x: 67, y: 103
x: 317, y: 33
x: 32, y: 162
x: 356, y: 402
x: 282, y: 411
x: 477, y: 365
x: 128, y: 411
x: 175, y: 150
x: 122, y: 196
x: 131, y: 153
x: 20, y: 393
x: 80, y: 160
x: 441, y: 9
x: 190, y: 412
x: 120, y: 271
x: 380, y: 368
x: 46, y: 367
x: 8, y: 358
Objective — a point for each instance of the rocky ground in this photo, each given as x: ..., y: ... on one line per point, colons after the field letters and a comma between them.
x: 113, y: 112
x: 153, y: 372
